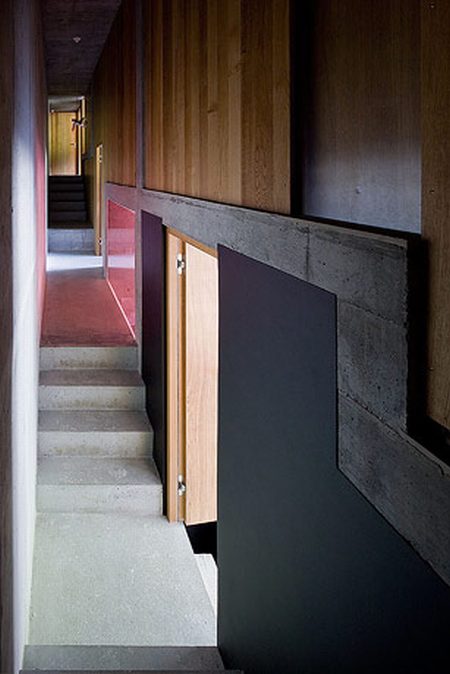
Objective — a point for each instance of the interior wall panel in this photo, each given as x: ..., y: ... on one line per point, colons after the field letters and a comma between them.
x: 312, y: 578
x: 114, y: 99
x: 436, y: 200
x: 217, y: 100
x: 359, y: 72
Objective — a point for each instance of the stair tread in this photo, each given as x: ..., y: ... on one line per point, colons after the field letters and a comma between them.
x: 67, y: 205
x: 81, y: 470
x: 90, y: 377
x: 90, y: 357
x: 138, y: 569
x: 91, y: 421
x: 126, y: 658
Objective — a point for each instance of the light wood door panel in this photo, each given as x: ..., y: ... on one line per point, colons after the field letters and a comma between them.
x: 192, y: 381
x: 201, y: 385
x: 175, y: 378
x: 63, y: 144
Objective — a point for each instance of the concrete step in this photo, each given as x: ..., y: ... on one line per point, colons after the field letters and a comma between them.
x: 69, y: 216
x: 115, y: 579
x: 87, y: 357
x: 66, y: 205
x: 208, y: 571
x: 71, y: 239
x: 66, y: 195
x: 114, y: 658
x: 68, y: 180
x: 121, y: 433
x: 98, y: 485
x: 91, y: 389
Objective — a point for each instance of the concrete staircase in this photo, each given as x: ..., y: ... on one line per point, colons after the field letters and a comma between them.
x: 69, y: 228
x: 66, y: 200
x: 115, y: 586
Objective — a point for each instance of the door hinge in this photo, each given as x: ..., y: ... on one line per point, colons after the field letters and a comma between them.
x: 181, y: 264
x: 181, y: 490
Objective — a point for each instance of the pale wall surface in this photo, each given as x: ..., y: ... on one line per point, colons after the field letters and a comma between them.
x: 28, y: 263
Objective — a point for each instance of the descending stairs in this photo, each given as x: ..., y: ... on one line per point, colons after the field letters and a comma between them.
x: 115, y: 586
x: 69, y: 229
x: 66, y: 200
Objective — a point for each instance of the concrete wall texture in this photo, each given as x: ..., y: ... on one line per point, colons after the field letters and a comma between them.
x: 23, y: 282
x: 368, y: 273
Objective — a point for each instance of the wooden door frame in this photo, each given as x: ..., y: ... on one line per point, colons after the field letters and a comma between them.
x: 98, y: 198
x: 53, y: 138
x: 176, y: 369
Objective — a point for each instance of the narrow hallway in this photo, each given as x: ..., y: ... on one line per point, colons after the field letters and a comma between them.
x: 79, y: 307
x: 109, y: 570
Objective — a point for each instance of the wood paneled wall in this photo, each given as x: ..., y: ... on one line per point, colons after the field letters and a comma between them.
x: 114, y: 99
x: 63, y: 142
x: 436, y: 199
x: 219, y: 120
x: 217, y: 100
x: 360, y: 76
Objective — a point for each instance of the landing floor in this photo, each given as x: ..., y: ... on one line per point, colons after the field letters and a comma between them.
x: 80, y: 309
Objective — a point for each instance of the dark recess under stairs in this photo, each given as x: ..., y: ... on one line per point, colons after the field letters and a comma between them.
x: 67, y: 202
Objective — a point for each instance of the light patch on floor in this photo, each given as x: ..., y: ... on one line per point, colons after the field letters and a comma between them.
x: 118, y: 580
x: 68, y: 261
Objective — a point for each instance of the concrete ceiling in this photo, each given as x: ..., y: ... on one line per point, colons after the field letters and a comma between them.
x: 69, y: 65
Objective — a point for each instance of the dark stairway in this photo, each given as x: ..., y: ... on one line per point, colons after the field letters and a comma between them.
x: 67, y: 202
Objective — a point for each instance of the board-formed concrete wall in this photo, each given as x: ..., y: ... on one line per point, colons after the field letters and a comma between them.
x: 22, y: 274
x: 6, y: 126
x: 370, y: 275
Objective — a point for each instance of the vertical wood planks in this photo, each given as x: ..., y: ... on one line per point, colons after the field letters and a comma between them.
x: 201, y: 373
x: 63, y: 144
x: 219, y: 124
x: 265, y: 83
x: 436, y: 200
x: 114, y: 89
x: 361, y: 109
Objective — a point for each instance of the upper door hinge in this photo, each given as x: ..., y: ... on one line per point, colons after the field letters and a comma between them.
x: 181, y: 489
x: 181, y: 264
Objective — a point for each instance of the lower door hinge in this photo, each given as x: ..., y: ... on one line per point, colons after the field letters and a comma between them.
x: 181, y: 490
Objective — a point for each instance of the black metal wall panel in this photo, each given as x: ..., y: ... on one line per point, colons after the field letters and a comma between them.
x: 311, y: 578
x: 153, y: 332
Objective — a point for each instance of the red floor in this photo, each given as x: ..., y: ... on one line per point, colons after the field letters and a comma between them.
x: 80, y: 310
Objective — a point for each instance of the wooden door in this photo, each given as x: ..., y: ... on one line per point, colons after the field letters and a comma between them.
x: 192, y: 328
x: 63, y: 144
x: 98, y: 199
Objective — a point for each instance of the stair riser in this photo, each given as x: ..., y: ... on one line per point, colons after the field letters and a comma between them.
x: 61, y: 195
x: 69, y: 216
x: 114, y: 658
x: 137, y: 499
x: 71, y: 240
x: 91, y: 398
x: 67, y: 205
x: 85, y: 358
x: 119, y: 444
